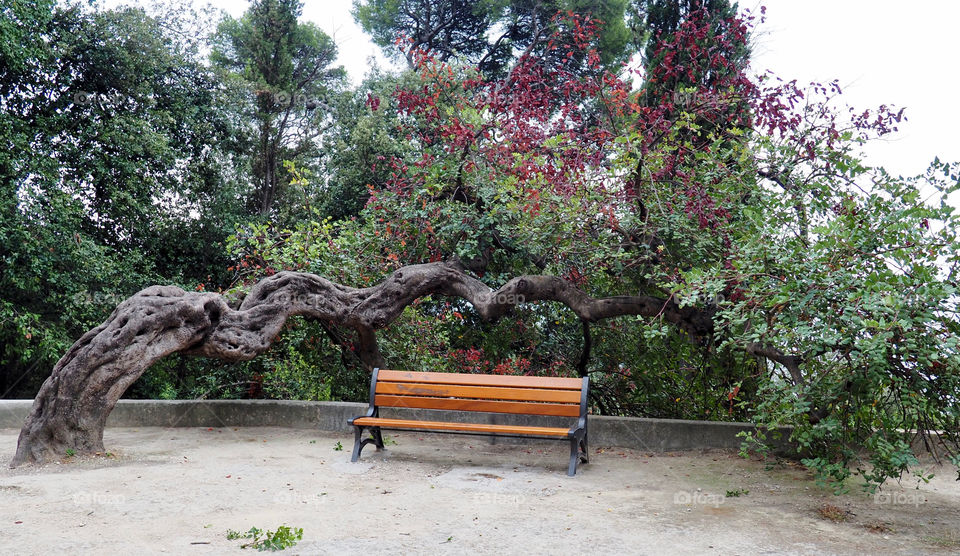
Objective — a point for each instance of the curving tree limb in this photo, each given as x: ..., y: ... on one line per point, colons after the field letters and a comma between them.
x: 72, y: 406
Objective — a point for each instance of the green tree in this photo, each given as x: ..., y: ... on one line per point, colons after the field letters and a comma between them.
x: 450, y: 27
x: 362, y: 142
x: 285, y: 64
x: 114, y: 135
x: 490, y: 34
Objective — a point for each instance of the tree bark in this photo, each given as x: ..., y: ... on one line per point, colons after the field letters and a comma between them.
x: 72, y: 406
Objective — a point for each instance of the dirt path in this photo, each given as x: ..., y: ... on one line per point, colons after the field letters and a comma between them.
x: 169, y: 490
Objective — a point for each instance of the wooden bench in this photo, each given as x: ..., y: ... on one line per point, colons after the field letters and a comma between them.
x: 521, y: 395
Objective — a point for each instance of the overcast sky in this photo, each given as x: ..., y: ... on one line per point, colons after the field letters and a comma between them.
x: 900, y: 53
x: 882, y: 52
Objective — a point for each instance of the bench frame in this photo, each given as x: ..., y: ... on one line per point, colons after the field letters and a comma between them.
x: 576, y: 435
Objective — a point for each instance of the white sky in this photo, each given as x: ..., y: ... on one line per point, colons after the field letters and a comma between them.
x: 881, y: 51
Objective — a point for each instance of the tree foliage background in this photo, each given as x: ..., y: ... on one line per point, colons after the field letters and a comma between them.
x: 800, y: 286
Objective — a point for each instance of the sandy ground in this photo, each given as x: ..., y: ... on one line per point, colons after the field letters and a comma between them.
x: 178, y: 491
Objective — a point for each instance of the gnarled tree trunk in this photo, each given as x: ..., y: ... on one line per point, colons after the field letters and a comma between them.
x: 71, y: 409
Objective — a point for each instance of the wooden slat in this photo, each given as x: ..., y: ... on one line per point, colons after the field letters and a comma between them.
x: 455, y: 404
x: 478, y: 392
x: 465, y: 379
x: 468, y: 427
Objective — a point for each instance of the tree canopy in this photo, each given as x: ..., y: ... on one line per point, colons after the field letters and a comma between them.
x: 490, y: 34
x: 285, y: 65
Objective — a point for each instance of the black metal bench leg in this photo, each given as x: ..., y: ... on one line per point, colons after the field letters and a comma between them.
x: 357, y: 443
x: 377, y: 438
x: 574, y: 456
x: 578, y: 453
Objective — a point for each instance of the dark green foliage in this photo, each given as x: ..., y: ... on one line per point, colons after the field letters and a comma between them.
x: 284, y: 67
x: 361, y: 141
x: 449, y: 27
x: 114, y: 136
x: 490, y: 34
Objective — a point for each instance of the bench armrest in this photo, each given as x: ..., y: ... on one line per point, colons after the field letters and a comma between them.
x: 372, y: 411
x: 584, y: 398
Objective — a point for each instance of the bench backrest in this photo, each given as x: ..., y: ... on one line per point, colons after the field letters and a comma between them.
x: 528, y: 395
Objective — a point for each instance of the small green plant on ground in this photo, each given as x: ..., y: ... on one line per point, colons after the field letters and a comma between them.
x: 338, y: 447
x: 737, y: 493
x: 70, y: 452
x: 284, y: 537
x: 388, y: 441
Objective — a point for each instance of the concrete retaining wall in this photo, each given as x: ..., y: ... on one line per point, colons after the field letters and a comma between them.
x: 651, y: 435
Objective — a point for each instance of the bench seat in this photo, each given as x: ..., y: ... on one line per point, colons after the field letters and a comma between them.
x: 408, y: 424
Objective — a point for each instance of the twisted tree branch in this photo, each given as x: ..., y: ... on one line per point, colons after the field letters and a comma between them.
x: 71, y: 409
